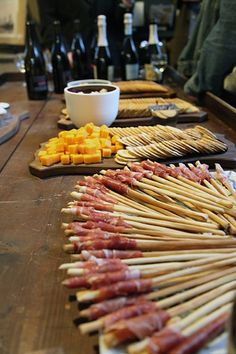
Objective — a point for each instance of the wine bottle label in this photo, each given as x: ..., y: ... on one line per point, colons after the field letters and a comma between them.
x: 110, y: 72
x: 149, y: 72
x: 39, y: 83
x: 131, y: 71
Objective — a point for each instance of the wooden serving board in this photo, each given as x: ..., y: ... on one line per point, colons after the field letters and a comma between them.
x: 9, y: 126
x: 199, y: 117
x: 226, y: 159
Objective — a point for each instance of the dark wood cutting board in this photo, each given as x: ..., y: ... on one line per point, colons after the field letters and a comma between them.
x: 10, y: 126
x: 226, y: 159
x: 199, y: 117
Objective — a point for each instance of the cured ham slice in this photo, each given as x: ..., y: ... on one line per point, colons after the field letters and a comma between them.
x: 79, y: 228
x: 161, y: 342
x: 98, y: 194
x: 115, y: 242
x: 94, y: 204
x: 114, y: 185
x: 196, y: 341
x: 125, y: 288
x: 136, y: 327
x: 105, y: 253
x: 140, y: 307
x: 106, y: 307
x: 97, y: 280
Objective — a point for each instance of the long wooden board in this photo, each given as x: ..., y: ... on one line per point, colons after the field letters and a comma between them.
x: 199, y: 117
x: 226, y: 159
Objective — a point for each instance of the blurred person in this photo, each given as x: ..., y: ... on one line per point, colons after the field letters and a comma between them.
x: 210, y: 54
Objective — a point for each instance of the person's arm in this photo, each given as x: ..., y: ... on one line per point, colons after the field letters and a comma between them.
x: 47, y: 10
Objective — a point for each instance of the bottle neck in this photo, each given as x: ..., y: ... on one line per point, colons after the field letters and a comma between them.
x: 57, y: 33
x: 102, y: 35
x: 153, y: 34
x: 30, y: 35
x: 128, y: 30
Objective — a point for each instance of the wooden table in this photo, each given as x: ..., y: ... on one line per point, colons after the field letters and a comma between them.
x: 35, y: 313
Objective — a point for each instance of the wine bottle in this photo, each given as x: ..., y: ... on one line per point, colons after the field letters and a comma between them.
x: 153, y: 54
x: 60, y: 63
x: 129, y: 56
x: 93, y: 43
x: 103, y: 67
x: 35, y: 71
x: 153, y: 41
x: 78, y: 54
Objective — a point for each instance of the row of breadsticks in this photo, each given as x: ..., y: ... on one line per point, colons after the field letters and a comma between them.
x: 153, y: 255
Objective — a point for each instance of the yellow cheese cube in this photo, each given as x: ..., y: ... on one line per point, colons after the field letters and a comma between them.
x: 92, y: 158
x: 65, y: 159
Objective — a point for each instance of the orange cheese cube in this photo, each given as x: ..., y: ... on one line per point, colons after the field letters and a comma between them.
x: 60, y: 147
x: 94, y: 135
x: 62, y: 134
x: 69, y: 139
x: 51, y: 150
x: 42, y: 153
x: 73, y: 149
x: 76, y: 159
x: 65, y: 159
x: 79, y: 138
x: 119, y: 146
x: 47, y: 160
x: 92, y: 158
x: 96, y: 141
x: 105, y: 143
x: 53, y: 140
x: 114, y: 139
x: 90, y: 148
x: 104, y: 133
x: 96, y: 129
x: 73, y: 131
x: 81, y: 148
x: 113, y: 149
x: 82, y: 131
x: 106, y: 152
x: 56, y: 157
x: 89, y: 127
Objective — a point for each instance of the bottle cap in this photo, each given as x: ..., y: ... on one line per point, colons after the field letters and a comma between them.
x: 101, y: 20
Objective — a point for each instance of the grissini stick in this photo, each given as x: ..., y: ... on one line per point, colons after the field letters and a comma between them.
x: 159, y: 258
x: 146, y: 270
x: 110, y: 254
x: 103, y: 308
x: 208, y: 291
x: 144, y: 285
x: 123, y: 243
x: 125, y: 330
x: 170, y: 337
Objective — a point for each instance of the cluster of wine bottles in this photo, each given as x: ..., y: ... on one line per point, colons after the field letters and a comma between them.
x: 98, y: 64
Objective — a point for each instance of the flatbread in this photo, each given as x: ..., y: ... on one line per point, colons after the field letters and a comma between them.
x: 137, y: 86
